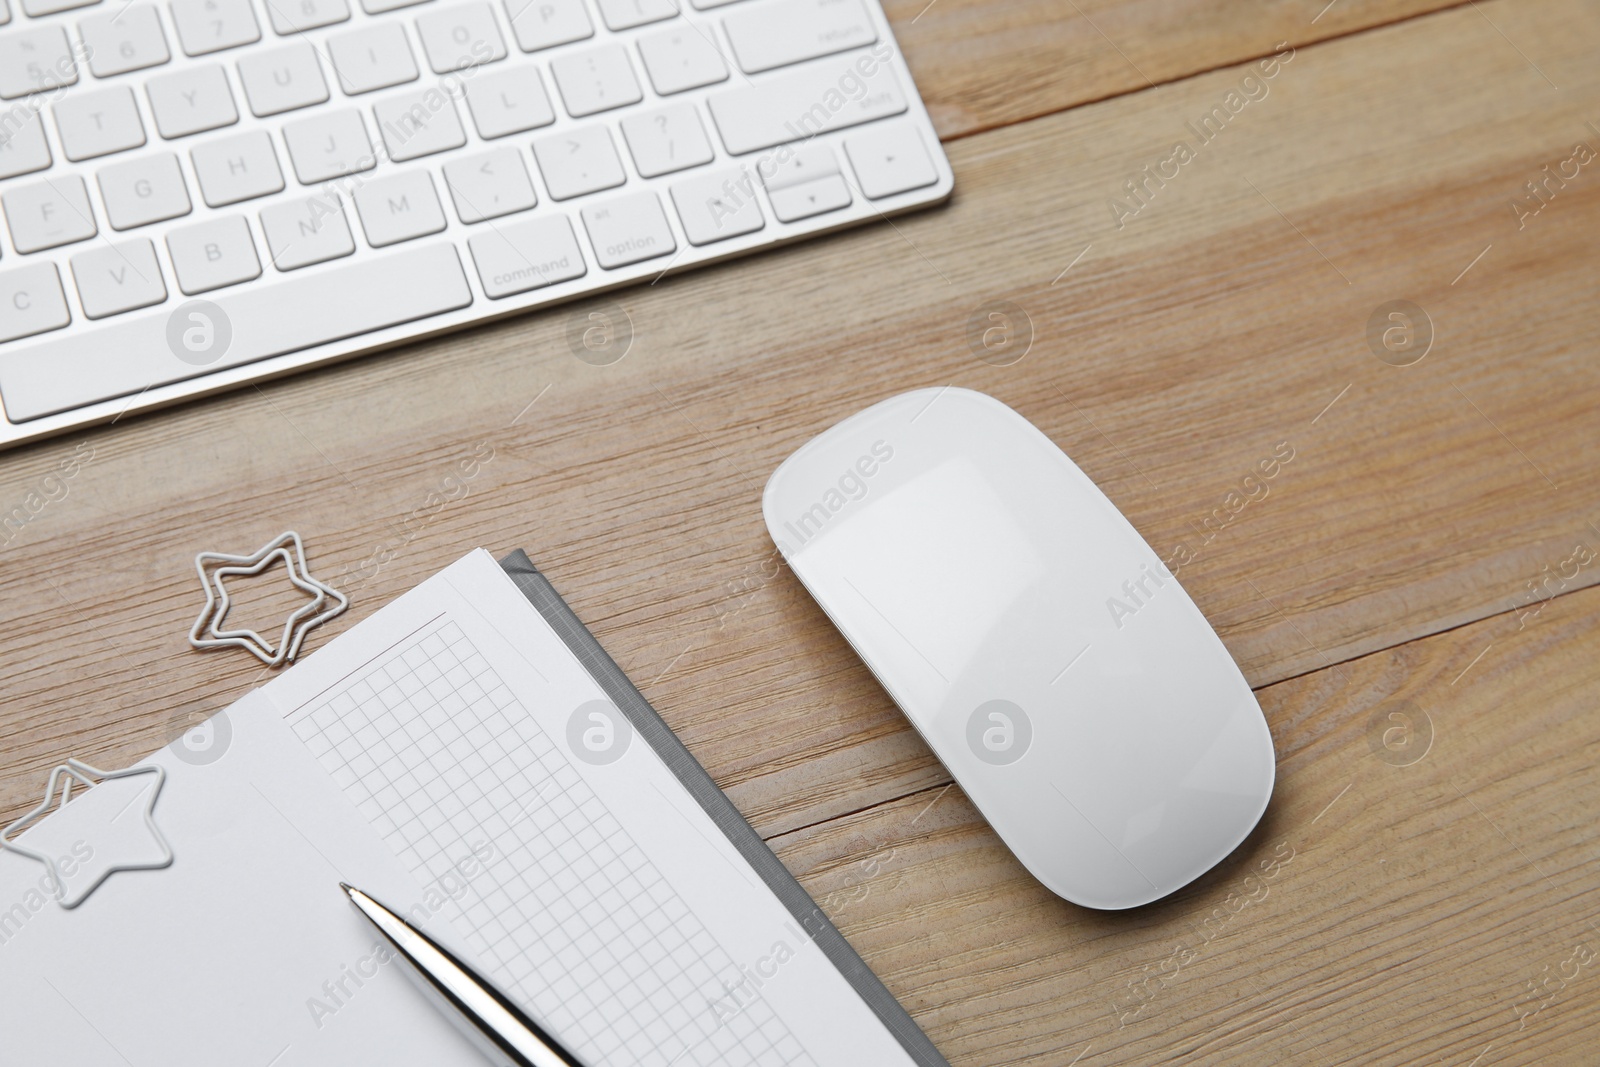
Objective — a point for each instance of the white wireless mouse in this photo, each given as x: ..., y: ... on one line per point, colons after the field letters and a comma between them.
x: 1036, y: 642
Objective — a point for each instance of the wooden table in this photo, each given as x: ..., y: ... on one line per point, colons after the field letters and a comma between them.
x: 1412, y: 595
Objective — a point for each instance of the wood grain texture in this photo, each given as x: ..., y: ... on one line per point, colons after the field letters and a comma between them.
x: 981, y: 63
x: 1224, y: 318
x: 1380, y: 914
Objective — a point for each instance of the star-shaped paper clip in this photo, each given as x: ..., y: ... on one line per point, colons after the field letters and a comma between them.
x: 111, y: 847
x: 207, y: 631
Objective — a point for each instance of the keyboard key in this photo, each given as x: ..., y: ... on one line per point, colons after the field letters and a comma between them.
x: 508, y: 101
x: 129, y: 355
x: 123, y: 40
x: 489, y: 185
x: 398, y: 208
x: 237, y: 168
x: 681, y: 58
x: 31, y: 301
x: 35, y: 60
x: 628, y: 229
x: 298, y: 16
x: 377, y: 7
x: 372, y: 58
x: 213, y: 25
x: 799, y: 104
x: 419, y: 124
x: 36, y: 8
x: 327, y: 145
x: 813, y: 198
x: 666, y: 140
x: 622, y: 14
x: 527, y: 255
x: 116, y: 278
x: 781, y: 32
x: 889, y: 159
x: 22, y: 146
x: 578, y: 161
x: 282, y: 79
x: 48, y: 214
x: 192, y: 100
x: 805, y: 183
x: 715, y: 207
x: 142, y: 191
x: 303, y: 232
x: 213, y: 254
x: 798, y: 166
x: 460, y: 36
x: 540, y: 24
x: 596, y: 80
x: 706, y: 5
x: 98, y: 123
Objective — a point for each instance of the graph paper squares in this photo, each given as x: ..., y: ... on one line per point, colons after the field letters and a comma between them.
x: 568, y: 913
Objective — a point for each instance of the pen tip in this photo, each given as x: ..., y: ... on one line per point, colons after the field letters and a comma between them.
x: 347, y: 887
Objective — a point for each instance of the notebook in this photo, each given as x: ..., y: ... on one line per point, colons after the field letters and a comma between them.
x: 470, y: 756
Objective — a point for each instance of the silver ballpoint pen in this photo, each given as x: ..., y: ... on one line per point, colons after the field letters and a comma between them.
x: 488, y: 1018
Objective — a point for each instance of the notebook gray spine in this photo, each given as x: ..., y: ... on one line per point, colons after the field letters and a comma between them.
x: 660, y: 737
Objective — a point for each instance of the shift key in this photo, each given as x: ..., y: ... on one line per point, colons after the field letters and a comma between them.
x: 135, y: 353
x: 830, y: 94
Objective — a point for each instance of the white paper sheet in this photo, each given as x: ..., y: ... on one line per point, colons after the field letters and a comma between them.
x: 450, y: 756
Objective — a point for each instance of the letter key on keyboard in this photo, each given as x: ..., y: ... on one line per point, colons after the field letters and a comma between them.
x: 48, y: 214
x: 31, y: 301
x: 508, y: 101
x: 399, y: 208
x: 310, y: 230
x: 372, y: 58
x: 114, y: 278
x: 327, y: 145
x: 191, y: 101
x: 282, y: 79
x: 460, y: 36
x: 23, y: 149
x: 144, y: 190
x: 99, y: 123
x: 213, y: 254
x: 239, y: 167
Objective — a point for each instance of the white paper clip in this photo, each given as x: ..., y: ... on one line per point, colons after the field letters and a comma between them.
x: 105, y: 845
x: 207, y: 631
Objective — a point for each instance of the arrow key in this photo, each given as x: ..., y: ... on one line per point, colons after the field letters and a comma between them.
x: 890, y: 159
x: 816, y: 197
x: 718, y: 206
x: 804, y: 182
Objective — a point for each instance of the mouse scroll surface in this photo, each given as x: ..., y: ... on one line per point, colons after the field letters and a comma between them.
x: 1036, y: 642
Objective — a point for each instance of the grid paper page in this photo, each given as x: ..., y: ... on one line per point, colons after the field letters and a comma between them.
x: 569, y: 915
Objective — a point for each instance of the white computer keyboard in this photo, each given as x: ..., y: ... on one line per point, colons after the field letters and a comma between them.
x: 200, y: 193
